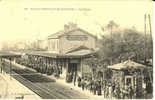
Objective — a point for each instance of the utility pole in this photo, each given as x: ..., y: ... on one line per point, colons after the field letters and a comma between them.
x: 145, y: 38
x: 151, y: 35
x: 151, y: 43
x: 111, y: 44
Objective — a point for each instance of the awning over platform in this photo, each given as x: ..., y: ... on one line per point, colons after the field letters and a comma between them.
x: 127, y: 64
x: 8, y: 54
x: 80, y: 53
x: 43, y: 54
x: 74, y: 53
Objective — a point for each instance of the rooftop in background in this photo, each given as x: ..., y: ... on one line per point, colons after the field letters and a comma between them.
x: 127, y: 64
x: 71, y: 27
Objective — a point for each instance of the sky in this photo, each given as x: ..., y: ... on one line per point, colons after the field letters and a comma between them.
x: 36, y: 19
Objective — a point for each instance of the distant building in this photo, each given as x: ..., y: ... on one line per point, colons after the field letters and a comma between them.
x: 70, y: 38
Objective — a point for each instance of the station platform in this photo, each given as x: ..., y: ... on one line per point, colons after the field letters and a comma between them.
x: 62, y: 81
x: 72, y: 87
x: 12, y: 89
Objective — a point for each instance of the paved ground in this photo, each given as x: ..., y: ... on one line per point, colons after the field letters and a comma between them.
x: 45, y: 87
x: 71, y: 86
x: 3, y: 89
x: 12, y: 89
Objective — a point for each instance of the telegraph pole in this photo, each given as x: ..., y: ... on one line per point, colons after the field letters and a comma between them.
x: 151, y: 34
x: 145, y: 38
x: 151, y: 44
x: 111, y: 44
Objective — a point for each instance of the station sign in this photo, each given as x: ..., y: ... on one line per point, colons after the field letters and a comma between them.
x: 77, y: 37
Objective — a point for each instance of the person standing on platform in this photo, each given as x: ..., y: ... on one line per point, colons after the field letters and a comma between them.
x: 99, y: 88
x: 74, y: 78
x: 110, y: 90
x: 79, y: 81
x: 91, y: 85
x: 83, y: 84
x: 2, y: 65
x: 95, y: 87
x: 131, y: 92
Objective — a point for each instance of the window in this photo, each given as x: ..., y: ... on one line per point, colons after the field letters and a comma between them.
x: 53, y: 45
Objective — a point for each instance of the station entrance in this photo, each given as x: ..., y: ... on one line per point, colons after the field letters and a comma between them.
x: 72, y: 71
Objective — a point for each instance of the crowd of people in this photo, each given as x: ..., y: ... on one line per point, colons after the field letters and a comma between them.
x: 110, y: 88
x: 97, y: 86
x: 49, y: 69
x: 107, y: 88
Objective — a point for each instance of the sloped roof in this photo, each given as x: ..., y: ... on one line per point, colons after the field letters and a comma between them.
x: 79, y: 53
x: 41, y: 53
x: 78, y: 48
x: 57, y: 34
x: 8, y: 54
x: 76, y: 52
x: 62, y: 33
x: 127, y: 64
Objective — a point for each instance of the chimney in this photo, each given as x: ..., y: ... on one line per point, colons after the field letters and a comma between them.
x: 70, y: 27
x: 66, y: 28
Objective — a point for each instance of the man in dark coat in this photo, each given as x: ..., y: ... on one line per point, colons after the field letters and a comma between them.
x: 79, y: 81
x: 83, y: 84
x: 2, y: 65
x: 95, y: 87
x: 131, y: 92
x: 99, y: 88
x: 74, y: 78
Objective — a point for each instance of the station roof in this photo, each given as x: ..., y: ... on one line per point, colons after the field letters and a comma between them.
x: 38, y: 53
x: 55, y: 55
x: 79, y: 53
x: 43, y: 54
x: 127, y: 64
x: 8, y: 54
x: 76, y: 53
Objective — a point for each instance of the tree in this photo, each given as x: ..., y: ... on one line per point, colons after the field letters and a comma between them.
x: 110, y: 26
x: 127, y: 43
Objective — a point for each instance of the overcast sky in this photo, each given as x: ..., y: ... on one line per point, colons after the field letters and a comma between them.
x: 27, y: 20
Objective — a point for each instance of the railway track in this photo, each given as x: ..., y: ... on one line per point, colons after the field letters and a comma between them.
x: 38, y: 90
x: 44, y: 87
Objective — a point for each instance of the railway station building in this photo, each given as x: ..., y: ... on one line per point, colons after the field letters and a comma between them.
x: 74, y: 45
x: 67, y: 50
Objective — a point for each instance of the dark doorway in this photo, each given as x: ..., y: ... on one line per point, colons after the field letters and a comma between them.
x: 72, y: 70
x: 72, y: 67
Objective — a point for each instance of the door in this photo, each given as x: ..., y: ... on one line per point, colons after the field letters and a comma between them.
x: 72, y: 69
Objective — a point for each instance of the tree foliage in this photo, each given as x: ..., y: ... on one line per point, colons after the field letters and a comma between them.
x: 122, y: 45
